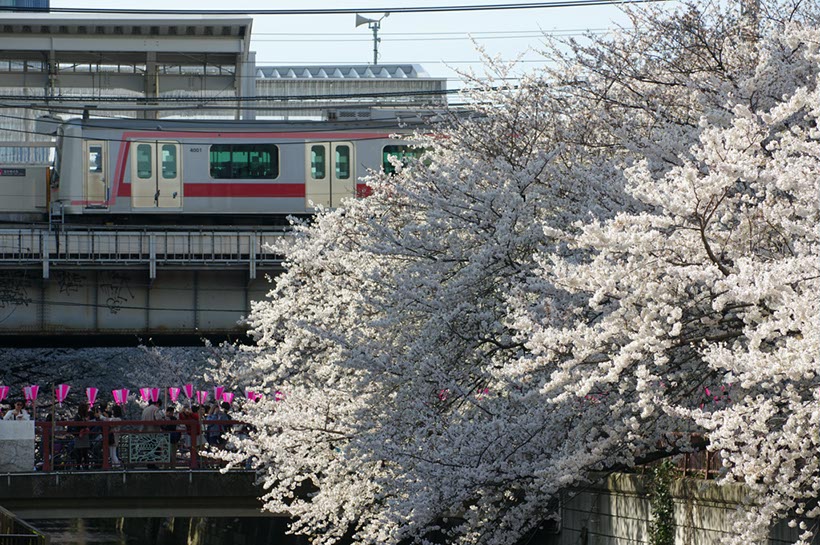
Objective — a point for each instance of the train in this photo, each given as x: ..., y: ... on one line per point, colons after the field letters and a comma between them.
x: 138, y: 171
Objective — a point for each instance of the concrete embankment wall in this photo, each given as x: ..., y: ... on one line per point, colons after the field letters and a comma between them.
x: 616, y: 511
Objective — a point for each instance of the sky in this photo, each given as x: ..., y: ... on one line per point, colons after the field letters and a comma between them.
x: 440, y: 42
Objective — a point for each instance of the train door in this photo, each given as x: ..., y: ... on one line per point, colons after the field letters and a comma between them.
x: 156, y: 181
x: 330, y: 173
x: 96, y: 185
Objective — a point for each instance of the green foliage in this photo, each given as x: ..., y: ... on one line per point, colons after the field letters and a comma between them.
x: 662, y: 525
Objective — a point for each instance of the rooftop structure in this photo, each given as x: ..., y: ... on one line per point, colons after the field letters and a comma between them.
x: 305, y: 90
x: 175, y: 66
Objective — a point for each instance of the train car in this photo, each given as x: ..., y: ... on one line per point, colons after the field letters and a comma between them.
x: 198, y: 171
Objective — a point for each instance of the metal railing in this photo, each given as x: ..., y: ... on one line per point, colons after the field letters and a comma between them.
x: 170, y: 444
x: 201, y: 248
x: 14, y: 531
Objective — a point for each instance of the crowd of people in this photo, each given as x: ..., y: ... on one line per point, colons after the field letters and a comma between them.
x: 79, y: 443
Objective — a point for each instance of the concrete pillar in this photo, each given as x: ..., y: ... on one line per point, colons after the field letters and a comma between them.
x: 246, y: 80
x: 151, y: 85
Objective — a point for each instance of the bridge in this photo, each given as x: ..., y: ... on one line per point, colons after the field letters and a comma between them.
x: 71, y: 281
x: 65, y: 470
x: 135, y: 493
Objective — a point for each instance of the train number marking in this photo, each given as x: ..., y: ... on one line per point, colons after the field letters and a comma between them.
x: 195, y: 150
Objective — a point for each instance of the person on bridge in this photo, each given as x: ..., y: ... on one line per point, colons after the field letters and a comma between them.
x: 82, y: 438
x: 17, y: 413
x: 151, y: 413
x: 173, y: 436
x: 215, y: 431
x: 114, y: 437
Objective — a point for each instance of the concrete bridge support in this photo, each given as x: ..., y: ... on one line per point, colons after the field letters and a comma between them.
x: 82, y: 301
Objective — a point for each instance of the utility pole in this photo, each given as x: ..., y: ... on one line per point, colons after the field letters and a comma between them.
x: 374, y: 25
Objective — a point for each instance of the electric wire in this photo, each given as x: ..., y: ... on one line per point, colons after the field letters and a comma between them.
x: 351, y: 11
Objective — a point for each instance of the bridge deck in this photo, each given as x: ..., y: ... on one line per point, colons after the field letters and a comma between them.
x: 110, y: 281
x: 132, y: 494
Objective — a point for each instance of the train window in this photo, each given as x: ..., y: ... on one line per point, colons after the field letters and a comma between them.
x: 244, y: 161
x: 342, y: 162
x: 402, y: 153
x: 169, y: 161
x: 95, y: 159
x: 318, y: 162
x: 144, y: 162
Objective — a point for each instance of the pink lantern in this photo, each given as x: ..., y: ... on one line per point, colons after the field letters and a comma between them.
x: 154, y: 394
x: 117, y: 396
x: 173, y: 393
x: 218, y: 390
x: 250, y: 394
x: 202, y: 397
x: 227, y: 397
x: 30, y: 392
x: 4, y: 392
x: 145, y: 394
x: 91, y: 394
x: 278, y: 396
x: 189, y: 391
x: 124, y: 394
x: 61, y: 392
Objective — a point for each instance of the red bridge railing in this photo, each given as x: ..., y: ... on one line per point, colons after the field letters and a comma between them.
x: 85, y: 445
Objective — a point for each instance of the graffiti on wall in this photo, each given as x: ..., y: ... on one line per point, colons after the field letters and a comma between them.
x: 117, y: 292
x: 69, y: 282
x: 14, y: 289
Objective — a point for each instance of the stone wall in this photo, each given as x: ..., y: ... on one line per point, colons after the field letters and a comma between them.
x: 616, y: 511
x: 16, y: 446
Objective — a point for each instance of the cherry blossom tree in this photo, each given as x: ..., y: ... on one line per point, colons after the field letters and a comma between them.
x: 583, y: 273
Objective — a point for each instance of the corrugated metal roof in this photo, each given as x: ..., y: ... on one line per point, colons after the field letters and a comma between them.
x: 342, y: 71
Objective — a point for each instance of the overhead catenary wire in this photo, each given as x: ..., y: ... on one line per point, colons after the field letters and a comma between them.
x: 461, y: 33
x: 468, y: 36
x: 351, y: 11
x: 386, y: 126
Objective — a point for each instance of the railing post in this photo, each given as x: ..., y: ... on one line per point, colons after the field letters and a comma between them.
x: 45, y: 445
x: 252, y: 245
x: 44, y: 236
x: 152, y: 256
x: 193, y: 431
x: 707, y: 464
x: 106, y: 459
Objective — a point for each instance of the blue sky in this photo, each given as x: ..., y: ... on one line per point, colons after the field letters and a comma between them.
x: 437, y: 41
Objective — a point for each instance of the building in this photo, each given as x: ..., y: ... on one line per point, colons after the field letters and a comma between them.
x: 24, y: 5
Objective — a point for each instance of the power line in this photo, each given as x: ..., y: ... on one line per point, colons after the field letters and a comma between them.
x: 419, y: 39
x: 427, y: 36
x: 386, y: 34
x: 350, y: 11
x: 265, y: 98
x: 263, y: 63
x: 386, y: 126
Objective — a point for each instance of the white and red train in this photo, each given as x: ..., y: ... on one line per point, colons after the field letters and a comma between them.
x: 201, y: 171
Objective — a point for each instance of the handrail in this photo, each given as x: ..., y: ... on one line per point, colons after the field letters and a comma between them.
x: 16, y: 531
